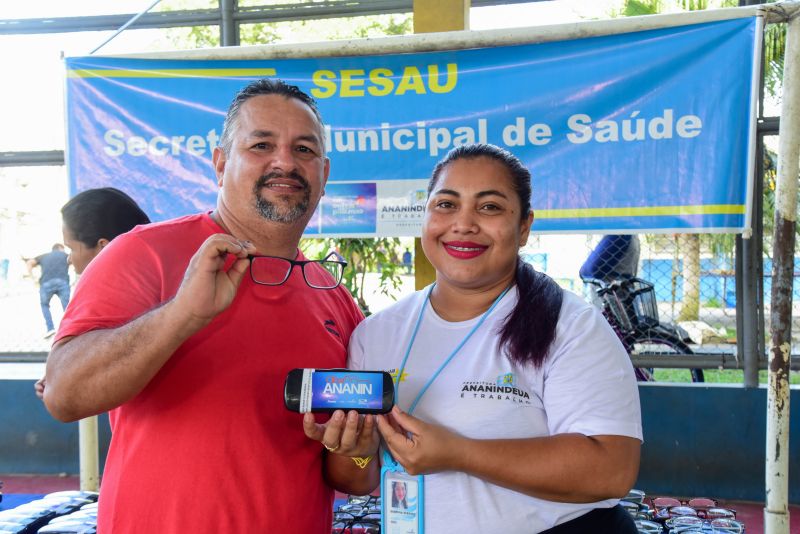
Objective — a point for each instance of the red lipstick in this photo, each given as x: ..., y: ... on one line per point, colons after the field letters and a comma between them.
x: 464, y: 250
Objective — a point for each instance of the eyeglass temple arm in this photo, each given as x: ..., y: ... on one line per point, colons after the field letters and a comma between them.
x: 336, y: 257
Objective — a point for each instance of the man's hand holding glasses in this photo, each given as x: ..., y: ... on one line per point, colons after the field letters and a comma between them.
x: 208, y: 288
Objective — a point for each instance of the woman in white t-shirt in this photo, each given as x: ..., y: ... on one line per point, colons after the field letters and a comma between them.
x: 515, y: 399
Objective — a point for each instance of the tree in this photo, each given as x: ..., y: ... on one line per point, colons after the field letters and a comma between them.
x: 774, y: 51
x: 689, y: 245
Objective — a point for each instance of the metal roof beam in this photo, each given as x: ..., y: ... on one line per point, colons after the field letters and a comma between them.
x: 208, y: 17
x: 41, y: 158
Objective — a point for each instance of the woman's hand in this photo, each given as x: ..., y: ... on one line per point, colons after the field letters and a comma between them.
x: 420, y: 447
x: 348, y: 435
x: 564, y: 467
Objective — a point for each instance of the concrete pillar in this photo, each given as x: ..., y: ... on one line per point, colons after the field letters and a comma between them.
x: 441, y: 15
x: 435, y: 16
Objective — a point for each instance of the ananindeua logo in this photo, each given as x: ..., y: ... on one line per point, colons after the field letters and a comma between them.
x: 348, y: 384
x: 504, y: 387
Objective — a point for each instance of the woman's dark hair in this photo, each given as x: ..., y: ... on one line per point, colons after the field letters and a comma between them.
x: 102, y: 213
x: 530, y: 328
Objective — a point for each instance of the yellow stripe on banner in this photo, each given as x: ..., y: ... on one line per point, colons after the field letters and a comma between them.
x: 712, y: 209
x: 170, y: 73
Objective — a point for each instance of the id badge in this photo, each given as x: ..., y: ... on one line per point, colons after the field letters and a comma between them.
x: 402, y: 502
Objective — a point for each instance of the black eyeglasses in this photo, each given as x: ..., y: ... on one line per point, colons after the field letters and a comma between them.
x: 319, y: 274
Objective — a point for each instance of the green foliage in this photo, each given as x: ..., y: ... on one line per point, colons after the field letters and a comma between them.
x: 635, y: 8
x: 382, y: 255
x: 716, y: 376
x: 695, y: 5
x: 259, y: 34
x: 774, y: 51
x: 720, y: 245
x: 770, y: 182
x: 194, y: 36
x: 402, y: 26
x: 198, y: 36
x: 672, y: 375
x: 289, y: 31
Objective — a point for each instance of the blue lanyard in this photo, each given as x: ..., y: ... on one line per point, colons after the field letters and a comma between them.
x: 449, y: 358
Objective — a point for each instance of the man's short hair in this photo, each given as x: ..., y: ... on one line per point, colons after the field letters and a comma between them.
x: 262, y: 87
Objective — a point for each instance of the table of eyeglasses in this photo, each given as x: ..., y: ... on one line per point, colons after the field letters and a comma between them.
x: 359, y: 515
x: 656, y: 515
x: 668, y: 515
x: 62, y: 512
x: 75, y: 512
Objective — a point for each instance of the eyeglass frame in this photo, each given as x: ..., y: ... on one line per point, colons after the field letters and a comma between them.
x: 345, y: 521
x: 364, y: 500
x: 648, y: 526
x: 698, y: 503
x: 637, y: 510
x: 302, y: 264
x: 689, y: 523
x: 715, y: 512
x: 359, y: 510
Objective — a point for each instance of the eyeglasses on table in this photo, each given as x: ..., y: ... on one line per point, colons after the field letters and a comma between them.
x: 704, y: 508
x: 360, y: 515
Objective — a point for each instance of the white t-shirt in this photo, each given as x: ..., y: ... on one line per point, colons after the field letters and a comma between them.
x: 586, y: 386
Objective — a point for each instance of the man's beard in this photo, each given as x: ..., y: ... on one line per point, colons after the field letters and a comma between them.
x: 271, y: 211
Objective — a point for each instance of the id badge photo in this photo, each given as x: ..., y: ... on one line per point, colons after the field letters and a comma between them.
x: 402, y: 503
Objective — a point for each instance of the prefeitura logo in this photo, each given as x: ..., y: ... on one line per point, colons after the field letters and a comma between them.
x: 504, y: 388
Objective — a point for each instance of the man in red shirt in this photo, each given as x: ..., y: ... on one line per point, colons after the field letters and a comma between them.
x: 189, y: 353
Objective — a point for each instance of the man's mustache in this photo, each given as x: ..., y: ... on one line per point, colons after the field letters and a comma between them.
x: 293, y: 175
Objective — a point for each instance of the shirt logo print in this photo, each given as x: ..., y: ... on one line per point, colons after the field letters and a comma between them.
x: 330, y: 326
x: 506, y: 380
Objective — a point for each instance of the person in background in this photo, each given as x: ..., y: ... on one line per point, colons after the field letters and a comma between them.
x: 407, y: 261
x: 4, y: 264
x: 614, y: 257
x: 186, y: 329
x: 90, y: 220
x: 54, y: 281
x: 516, y: 403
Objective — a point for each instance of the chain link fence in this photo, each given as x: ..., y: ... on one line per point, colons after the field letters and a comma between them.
x: 663, y: 294
x: 692, y: 275
x: 683, y: 285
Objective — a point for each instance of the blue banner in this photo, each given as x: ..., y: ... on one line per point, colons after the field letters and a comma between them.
x: 637, y: 132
